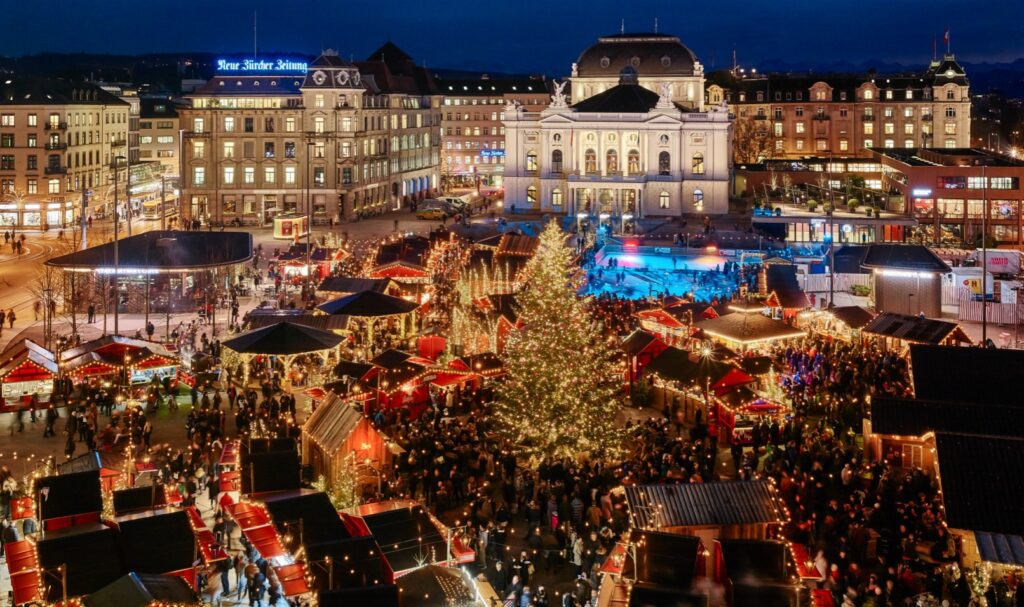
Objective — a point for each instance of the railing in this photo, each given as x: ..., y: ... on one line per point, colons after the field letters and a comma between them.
x: 927, y: 117
x: 197, y: 133
x: 868, y: 117
x: 55, y: 126
x: 56, y: 146
x: 119, y: 143
x: 55, y: 170
x: 821, y: 117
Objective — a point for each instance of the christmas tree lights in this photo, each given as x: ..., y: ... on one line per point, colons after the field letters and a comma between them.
x: 559, y: 398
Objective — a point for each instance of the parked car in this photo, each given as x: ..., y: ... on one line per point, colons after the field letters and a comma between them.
x: 431, y: 212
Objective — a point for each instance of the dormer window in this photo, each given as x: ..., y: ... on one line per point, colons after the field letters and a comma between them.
x: 635, y: 61
x: 666, y: 61
x: 605, y: 61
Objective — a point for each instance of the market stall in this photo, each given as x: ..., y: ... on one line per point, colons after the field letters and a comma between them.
x: 290, y: 227
x: 27, y: 371
x: 740, y: 413
x: 285, y: 341
x: 337, y: 436
x: 374, y: 312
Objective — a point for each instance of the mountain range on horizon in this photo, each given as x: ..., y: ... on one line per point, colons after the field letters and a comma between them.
x: 166, y: 68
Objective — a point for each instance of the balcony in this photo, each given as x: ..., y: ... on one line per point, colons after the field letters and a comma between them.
x: 926, y: 117
x: 56, y: 126
x: 190, y: 134
x: 868, y: 117
x: 56, y: 146
x: 821, y: 117
x: 56, y: 170
x: 118, y: 143
x: 760, y: 117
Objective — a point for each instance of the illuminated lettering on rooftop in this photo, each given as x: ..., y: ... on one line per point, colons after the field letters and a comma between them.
x: 261, y: 65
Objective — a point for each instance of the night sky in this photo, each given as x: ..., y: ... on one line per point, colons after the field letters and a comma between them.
x: 527, y: 35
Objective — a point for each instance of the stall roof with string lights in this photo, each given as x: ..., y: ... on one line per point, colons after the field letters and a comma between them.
x: 112, y: 354
x: 144, y: 590
x: 26, y: 369
x: 369, y: 304
x: 747, y: 504
x: 746, y: 330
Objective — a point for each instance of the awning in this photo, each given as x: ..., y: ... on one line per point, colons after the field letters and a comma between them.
x: 1000, y: 548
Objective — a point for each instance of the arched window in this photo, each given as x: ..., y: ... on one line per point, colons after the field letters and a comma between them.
x: 611, y: 161
x: 698, y: 198
x: 664, y: 200
x: 556, y: 161
x: 531, y: 195
x: 531, y: 161
x: 633, y: 162
x: 556, y: 197
x: 590, y: 161
x: 664, y: 163
x: 698, y: 164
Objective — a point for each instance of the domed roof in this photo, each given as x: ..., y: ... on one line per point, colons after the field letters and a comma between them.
x: 649, y: 54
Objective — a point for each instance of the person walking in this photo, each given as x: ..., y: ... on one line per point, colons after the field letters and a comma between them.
x: 91, y: 313
x: 11, y: 317
x: 51, y: 418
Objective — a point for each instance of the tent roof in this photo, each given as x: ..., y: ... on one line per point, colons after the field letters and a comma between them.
x: 903, y: 257
x: 911, y: 328
x: 407, y: 536
x: 916, y: 417
x: 283, y: 338
x: 320, y: 519
x: 323, y: 322
x: 116, y: 345
x: 855, y: 317
x: 435, y: 585
x: 977, y: 475
x: 164, y: 251
x: 637, y: 341
x: 156, y: 543
x: 91, y: 554
x: 368, y: 304
x: 973, y: 375
x: 702, y: 504
x: 143, y: 589
x: 348, y: 284
x: 676, y: 364
x: 748, y: 328
x: 781, y: 281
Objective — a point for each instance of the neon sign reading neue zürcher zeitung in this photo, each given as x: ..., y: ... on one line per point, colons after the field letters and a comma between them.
x: 261, y: 65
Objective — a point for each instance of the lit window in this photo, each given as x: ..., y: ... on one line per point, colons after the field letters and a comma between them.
x: 198, y: 176
x: 697, y: 165
x: 531, y: 195
x: 198, y: 149
x: 229, y: 124
x: 799, y: 127
x: 289, y: 174
x: 249, y: 175
x: 664, y: 200
x: 229, y: 149
x: 229, y: 175
x: 698, y: 198
x: 556, y: 198
x: 53, y: 186
x: 269, y: 175
x: 531, y: 161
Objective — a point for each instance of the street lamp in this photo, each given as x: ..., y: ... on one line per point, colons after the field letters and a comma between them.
x: 117, y: 265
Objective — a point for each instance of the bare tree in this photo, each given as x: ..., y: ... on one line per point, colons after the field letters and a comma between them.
x: 750, y: 141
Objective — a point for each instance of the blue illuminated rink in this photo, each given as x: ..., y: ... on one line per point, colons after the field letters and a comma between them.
x: 650, y: 272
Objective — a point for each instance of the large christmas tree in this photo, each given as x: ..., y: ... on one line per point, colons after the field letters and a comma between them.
x: 559, y: 395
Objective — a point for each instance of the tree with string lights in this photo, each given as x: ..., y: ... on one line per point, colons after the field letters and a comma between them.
x: 560, y: 394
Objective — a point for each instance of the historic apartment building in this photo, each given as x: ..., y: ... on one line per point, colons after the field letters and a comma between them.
x: 473, y: 136
x: 346, y: 138
x: 792, y: 116
x: 626, y: 152
x: 159, y: 131
x: 56, y: 139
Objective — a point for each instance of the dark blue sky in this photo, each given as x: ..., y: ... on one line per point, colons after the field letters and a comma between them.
x: 525, y: 35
